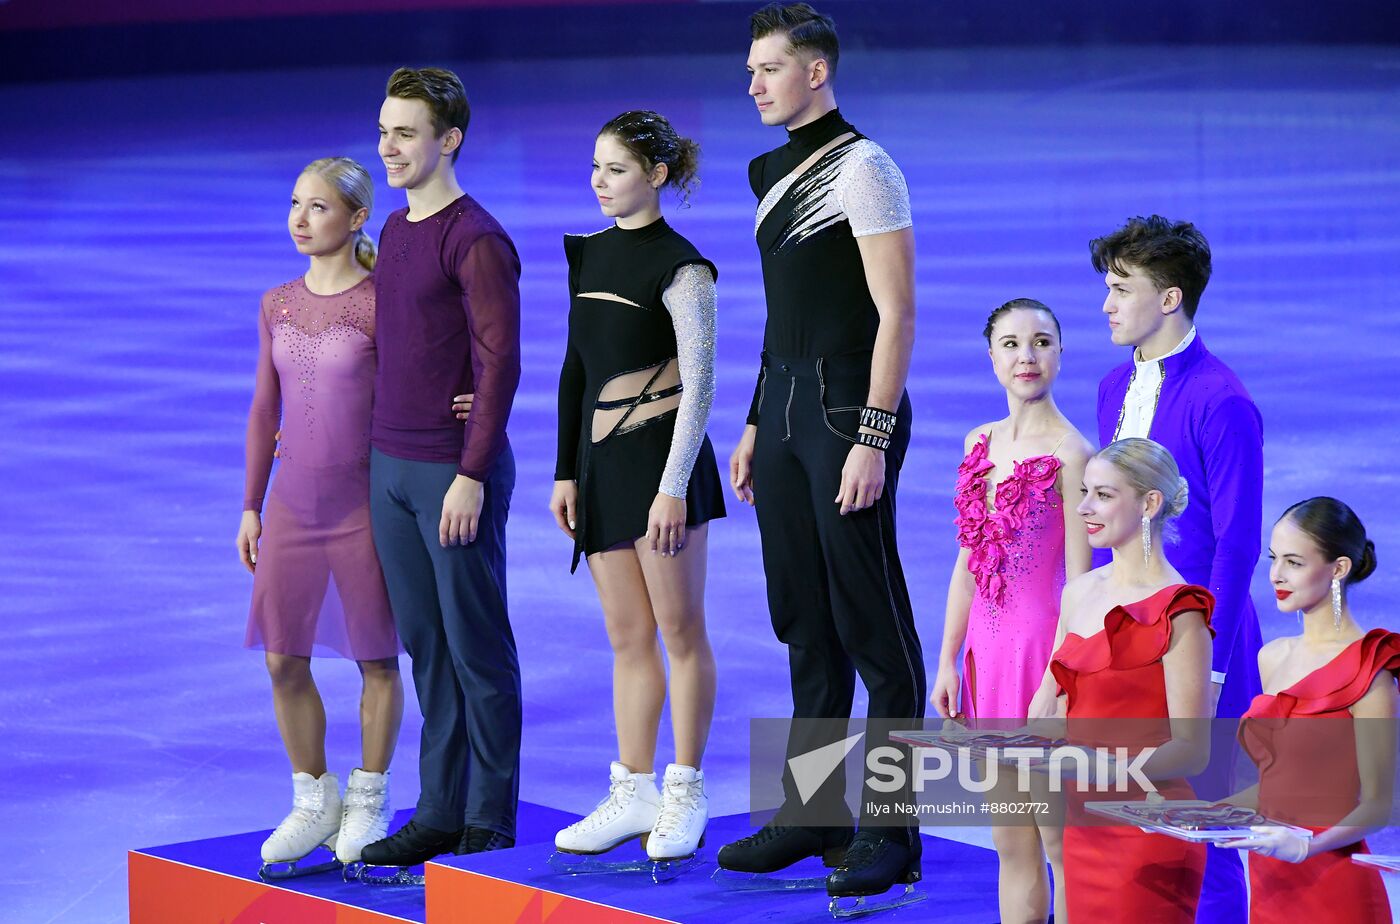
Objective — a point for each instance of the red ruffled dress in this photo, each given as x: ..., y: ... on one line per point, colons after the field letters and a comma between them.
x: 1308, y: 777
x: 1116, y: 872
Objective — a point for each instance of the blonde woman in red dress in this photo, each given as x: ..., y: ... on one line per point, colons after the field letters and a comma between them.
x: 1132, y: 668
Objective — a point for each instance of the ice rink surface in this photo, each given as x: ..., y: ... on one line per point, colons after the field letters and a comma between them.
x: 141, y: 219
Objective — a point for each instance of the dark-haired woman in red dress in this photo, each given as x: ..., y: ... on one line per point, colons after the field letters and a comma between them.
x: 1132, y: 668
x: 1333, y: 777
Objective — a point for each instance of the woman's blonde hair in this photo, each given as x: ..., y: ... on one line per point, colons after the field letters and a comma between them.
x: 1149, y: 467
x: 356, y: 190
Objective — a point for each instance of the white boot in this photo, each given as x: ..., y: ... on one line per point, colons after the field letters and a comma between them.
x: 685, y: 810
x: 628, y: 811
x: 366, y: 816
x: 313, y: 821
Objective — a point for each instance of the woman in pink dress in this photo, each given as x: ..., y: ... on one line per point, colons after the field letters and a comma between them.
x: 317, y: 586
x: 1019, y: 540
x: 1334, y: 777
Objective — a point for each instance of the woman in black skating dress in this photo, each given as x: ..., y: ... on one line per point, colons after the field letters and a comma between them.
x: 636, y: 480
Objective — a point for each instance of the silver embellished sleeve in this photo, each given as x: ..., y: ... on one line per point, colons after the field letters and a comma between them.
x: 872, y: 193
x: 691, y: 300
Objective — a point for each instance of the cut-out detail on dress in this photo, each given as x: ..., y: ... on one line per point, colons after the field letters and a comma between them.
x: 609, y: 297
x: 632, y: 399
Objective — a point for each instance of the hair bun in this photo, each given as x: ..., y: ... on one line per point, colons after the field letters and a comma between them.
x: 1178, y: 501
x: 1362, y: 569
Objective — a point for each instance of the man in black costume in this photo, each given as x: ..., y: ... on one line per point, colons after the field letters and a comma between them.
x: 826, y: 435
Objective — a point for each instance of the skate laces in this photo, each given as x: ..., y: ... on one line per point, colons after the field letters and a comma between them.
x: 678, y: 801
x: 863, y: 849
x: 620, y: 792
x: 306, y: 810
x: 765, y: 834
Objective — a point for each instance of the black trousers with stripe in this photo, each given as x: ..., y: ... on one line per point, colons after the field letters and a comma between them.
x: 836, y: 589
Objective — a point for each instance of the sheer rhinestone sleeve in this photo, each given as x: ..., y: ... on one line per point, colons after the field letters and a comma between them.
x: 690, y: 298
x: 871, y: 191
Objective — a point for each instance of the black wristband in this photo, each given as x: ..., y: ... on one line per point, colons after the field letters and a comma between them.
x: 881, y: 443
x: 877, y: 419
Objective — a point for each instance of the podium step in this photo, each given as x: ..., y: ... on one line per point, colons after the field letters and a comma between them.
x: 216, y: 882
x: 519, y: 886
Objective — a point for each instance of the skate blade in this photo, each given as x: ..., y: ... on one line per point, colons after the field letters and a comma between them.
x: 590, y: 864
x: 295, y: 869
x: 578, y: 864
x: 386, y: 875
x: 673, y: 867
x: 855, y: 906
x: 766, y: 882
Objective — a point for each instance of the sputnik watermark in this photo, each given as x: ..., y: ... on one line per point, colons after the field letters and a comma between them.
x: 979, y: 769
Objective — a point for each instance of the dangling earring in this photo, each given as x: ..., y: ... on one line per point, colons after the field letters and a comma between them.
x: 1146, y: 540
x: 1337, y: 604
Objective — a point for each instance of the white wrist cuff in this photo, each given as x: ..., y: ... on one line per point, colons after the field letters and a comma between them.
x: 1217, y: 677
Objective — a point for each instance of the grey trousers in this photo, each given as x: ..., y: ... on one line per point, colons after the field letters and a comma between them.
x: 450, y: 609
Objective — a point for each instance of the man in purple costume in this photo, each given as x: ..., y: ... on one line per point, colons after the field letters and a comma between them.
x: 1178, y: 393
x: 448, y: 322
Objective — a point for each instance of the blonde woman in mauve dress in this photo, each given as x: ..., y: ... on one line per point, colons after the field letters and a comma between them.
x: 317, y: 585
x: 1019, y: 541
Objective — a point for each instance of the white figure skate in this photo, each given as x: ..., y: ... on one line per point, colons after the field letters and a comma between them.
x: 629, y: 812
x: 314, y: 822
x: 680, y: 825
x: 365, y: 818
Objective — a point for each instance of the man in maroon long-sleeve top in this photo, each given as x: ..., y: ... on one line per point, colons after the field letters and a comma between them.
x: 448, y: 322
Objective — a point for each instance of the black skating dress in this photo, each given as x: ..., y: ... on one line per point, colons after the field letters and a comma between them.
x: 640, y: 299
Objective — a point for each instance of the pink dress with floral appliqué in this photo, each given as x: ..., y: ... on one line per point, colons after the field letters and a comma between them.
x: 1017, y: 560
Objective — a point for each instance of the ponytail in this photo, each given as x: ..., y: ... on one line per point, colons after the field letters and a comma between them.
x: 365, y: 251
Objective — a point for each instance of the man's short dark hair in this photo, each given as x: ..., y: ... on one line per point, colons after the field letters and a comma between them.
x: 443, y: 93
x: 809, y: 33
x: 1170, y: 253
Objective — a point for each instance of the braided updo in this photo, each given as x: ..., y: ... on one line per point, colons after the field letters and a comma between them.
x: 649, y: 137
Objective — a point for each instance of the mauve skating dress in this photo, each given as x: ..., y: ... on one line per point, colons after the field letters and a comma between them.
x: 317, y: 588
